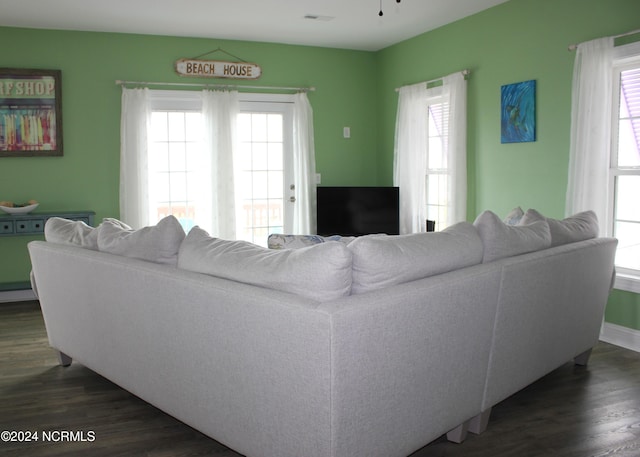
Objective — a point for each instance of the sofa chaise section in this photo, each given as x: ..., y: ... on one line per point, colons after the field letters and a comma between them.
x: 549, y: 312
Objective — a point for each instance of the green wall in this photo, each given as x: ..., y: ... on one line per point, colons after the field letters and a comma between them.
x: 86, y: 177
x: 623, y: 309
x: 516, y: 41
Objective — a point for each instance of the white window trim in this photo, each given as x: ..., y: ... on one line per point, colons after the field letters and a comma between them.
x: 192, y: 100
x: 627, y: 280
x: 262, y: 97
x: 180, y: 100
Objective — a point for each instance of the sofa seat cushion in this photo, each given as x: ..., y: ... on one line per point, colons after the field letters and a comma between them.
x: 501, y: 240
x: 579, y: 227
x: 382, y: 261
x: 321, y: 272
x: 159, y: 243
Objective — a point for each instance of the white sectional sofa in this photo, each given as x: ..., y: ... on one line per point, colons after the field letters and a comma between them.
x: 372, y: 348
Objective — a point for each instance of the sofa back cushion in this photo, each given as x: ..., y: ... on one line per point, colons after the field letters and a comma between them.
x: 159, y: 243
x: 502, y: 240
x: 321, y: 272
x: 281, y: 241
x: 381, y: 261
x: 74, y: 233
x: 579, y: 227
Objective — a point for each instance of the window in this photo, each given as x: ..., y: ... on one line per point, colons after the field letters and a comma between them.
x: 176, y: 159
x: 437, y: 172
x: 430, y: 153
x: 174, y: 156
x: 624, y: 175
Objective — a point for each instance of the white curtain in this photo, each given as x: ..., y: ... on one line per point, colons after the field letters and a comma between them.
x: 590, y: 129
x: 304, y: 167
x: 216, y: 189
x: 455, y: 89
x: 412, y: 147
x: 220, y: 110
x: 135, y: 118
x: 409, y: 165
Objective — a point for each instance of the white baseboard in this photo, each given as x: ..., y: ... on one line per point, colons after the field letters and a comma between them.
x: 17, y: 295
x: 620, y: 336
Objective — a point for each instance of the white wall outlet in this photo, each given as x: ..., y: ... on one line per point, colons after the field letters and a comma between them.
x: 346, y: 132
x: 318, y: 178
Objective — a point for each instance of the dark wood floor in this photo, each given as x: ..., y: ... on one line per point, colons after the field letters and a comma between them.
x: 572, y: 412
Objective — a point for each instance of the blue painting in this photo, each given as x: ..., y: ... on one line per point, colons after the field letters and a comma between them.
x: 518, y: 112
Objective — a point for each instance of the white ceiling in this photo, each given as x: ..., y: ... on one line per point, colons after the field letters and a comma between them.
x: 349, y: 24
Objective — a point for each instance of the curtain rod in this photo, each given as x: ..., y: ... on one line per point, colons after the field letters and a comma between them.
x: 573, y: 47
x: 465, y: 73
x: 217, y: 85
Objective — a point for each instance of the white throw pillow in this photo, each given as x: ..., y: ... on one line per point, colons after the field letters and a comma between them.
x: 159, y: 243
x: 502, y: 240
x: 514, y: 217
x: 75, y: 233
x: 579, y: 227
x: 382, y: 261
x: 321, y: 272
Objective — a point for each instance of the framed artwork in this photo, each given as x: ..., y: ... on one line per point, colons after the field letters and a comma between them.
x: 30, y: 113
x: 518, y: 112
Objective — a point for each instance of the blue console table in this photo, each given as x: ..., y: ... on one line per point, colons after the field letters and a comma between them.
x: 33, y: 223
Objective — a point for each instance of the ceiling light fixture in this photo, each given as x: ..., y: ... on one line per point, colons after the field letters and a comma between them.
x: 381, y: 13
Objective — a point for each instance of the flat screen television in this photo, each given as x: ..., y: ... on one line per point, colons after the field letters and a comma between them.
x: 356, y: 211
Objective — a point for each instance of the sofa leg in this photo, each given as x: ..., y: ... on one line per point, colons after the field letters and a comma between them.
x: 458, y: 434
x: 478, y: 424
x: 64, y: 359
x: 583, y: 358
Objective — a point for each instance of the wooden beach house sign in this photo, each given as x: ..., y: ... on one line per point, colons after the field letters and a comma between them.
x: 217, y: 69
